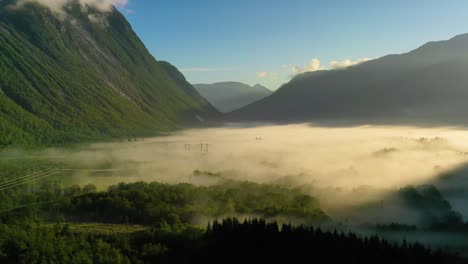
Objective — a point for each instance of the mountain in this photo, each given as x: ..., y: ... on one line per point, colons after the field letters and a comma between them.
x: 85, y: 75
x: 229, y: 96
x: 188, y: 88
x: 428, y: 84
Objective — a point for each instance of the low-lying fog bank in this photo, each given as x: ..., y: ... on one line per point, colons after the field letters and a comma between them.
x: 343, y: 167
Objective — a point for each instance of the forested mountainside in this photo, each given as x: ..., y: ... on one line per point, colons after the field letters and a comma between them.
x: 84, y: 75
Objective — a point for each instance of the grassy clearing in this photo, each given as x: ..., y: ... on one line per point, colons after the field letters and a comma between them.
x: 103, y: 228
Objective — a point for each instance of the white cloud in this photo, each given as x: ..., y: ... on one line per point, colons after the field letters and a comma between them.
x: 98, y: 19
x: 316, y: 65
x: 346, y: 63
x: 262, y: 74
x: 103, y: 5
x: 59, y: 5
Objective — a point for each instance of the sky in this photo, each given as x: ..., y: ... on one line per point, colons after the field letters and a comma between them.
x: 269, y: 41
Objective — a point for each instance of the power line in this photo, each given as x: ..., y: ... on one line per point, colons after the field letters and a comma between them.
x: 25, y: 177
x: 32, y: 177
x: 30, y: 180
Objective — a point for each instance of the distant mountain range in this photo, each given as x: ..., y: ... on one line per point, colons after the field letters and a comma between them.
x: 429, y: 84
x: 85, y: 75
x: 229, y: 96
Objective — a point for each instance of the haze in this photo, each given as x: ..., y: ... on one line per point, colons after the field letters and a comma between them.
x: 379, y: 158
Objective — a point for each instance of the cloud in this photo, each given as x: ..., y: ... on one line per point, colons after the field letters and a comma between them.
x: 98, y: 19
x: 59, y: 5
x: 316, y: 65
x: 346, y: 63
x: 262, y: 74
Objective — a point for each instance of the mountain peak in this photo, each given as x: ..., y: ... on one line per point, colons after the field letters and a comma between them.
x: 259, y: 87
x: 65, y: 7
x: 461, y: 37
x: 229, y: 96
x: 427, y: 83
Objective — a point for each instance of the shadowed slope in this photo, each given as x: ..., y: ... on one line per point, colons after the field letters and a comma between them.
x: 425, y: 84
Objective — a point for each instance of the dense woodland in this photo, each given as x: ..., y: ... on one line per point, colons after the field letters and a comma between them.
x: 229, y: 241
x: 154, y: 203
x: 154, y: 223
x: 72, y: 79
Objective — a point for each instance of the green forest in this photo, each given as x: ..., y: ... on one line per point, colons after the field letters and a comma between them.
x: 156, y: 223
x: 66, y: 81
x: 110, y: 156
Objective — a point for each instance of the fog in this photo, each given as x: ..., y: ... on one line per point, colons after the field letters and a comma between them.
x: 364, y: 177
x: 344, y: 167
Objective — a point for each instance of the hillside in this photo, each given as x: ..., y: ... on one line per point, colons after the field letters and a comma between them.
x: 85, y: 75
x: 182, y: 83
x: 427, y: 85
x: 229, y: 96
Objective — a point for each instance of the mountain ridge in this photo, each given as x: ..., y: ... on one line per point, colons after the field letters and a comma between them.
x: 424, y: 84
x: 229, y: 96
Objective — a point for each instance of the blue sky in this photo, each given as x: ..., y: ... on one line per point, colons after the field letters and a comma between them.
x: 260, y: 41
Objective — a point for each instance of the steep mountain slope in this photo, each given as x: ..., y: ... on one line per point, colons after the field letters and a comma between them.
x: 85, y: 75
x: 180, y: 80
x: 427, y: 84
x: 229, y: 96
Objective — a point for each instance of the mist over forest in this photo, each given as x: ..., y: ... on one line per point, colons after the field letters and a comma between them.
x: 361, y: 176
x: 233, y: 150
